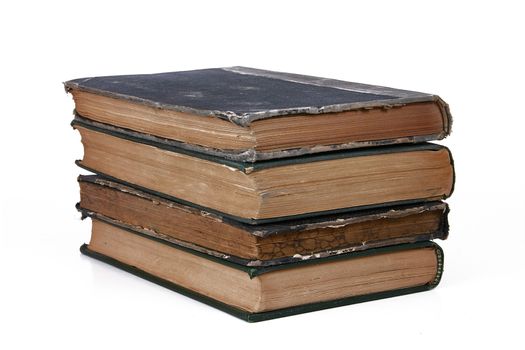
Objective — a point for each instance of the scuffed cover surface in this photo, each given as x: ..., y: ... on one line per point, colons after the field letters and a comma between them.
x: 266, y: 230
x: 243, y: 95
x: 270, y: 229
x: 262, y: 264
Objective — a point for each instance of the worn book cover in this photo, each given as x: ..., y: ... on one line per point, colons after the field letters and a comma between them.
x: 247, y: 114
x: 264, y: 244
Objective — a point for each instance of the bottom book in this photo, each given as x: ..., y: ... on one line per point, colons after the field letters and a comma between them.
x: 261, y: 293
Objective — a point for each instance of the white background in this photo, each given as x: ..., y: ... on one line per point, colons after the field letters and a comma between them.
x: 470, y: 53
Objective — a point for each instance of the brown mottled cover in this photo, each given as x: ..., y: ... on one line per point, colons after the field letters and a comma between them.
x: 264, y: 244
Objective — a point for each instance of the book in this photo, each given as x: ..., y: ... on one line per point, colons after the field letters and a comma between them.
x: 260, y: 293
x: 272, y: 190
x: 265, y: 244
x: 245, y: 114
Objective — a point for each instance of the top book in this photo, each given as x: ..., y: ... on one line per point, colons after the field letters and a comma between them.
x: 247, y: 115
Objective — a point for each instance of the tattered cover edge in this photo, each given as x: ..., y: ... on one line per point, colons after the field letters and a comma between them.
x: 263, y: 316
x: 251, y: 167
x: 402, y: 97
x: 252, y: 221
x: 249, y: 155
x: 266, y: 230
x: 440, y: 233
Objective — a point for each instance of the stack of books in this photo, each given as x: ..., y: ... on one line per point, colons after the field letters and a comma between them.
x: 264, y: 194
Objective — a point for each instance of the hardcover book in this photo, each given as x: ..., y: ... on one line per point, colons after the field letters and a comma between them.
x: 247, y: 114
x: 265, y: 244
x: 260, y: 293
x: 264, y: 194
x: 275, y: 189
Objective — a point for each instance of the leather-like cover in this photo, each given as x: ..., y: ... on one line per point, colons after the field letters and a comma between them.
x: 242, y: 95
x: 286, y: 226
x: 442, y: 233
x: 255, y: 317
